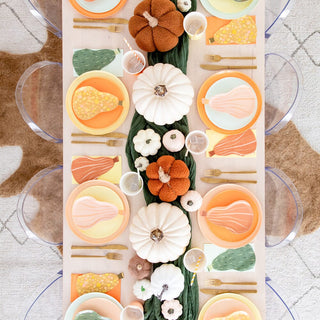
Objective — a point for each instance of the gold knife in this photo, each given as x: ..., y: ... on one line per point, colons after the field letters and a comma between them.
x: 219, y: 291
x: 220, y: 67
x: 219, y: 180
x: 106, y: 20
x: 116, y: 135
x: 107, y: 246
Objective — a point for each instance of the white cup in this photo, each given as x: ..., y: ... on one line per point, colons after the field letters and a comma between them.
x: 133, y: 311
x: 131, y: 64
x: 195, y: 25
x: 131, y: 183
x: 191, y: 258
x: 196, y: 142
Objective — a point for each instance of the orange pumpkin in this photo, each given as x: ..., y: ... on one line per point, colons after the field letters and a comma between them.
x: 168, y: 178
x: 156, y: 25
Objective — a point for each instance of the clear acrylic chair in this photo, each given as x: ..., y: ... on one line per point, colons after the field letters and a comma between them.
x: 275, y: 13
x: 47, y: 303
x: 277, y: 305
x: 49, y: 14
x: 40, y: 207
x: 283, y: 90
x: 39, y: 99
x: 283, y: 209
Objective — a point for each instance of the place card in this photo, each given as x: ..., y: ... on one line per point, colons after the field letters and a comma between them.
x: 224, y: 146
x: 224, y: 32
x: 86, y: 168
x: 109, y: 60
x: 225, y: 260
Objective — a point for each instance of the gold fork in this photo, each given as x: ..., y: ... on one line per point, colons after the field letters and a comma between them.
x: 107, y: 20
x: 217, y: 58
x: 218, y: 282
x: 110, y: 143
x: 218, y: 172
x: 112, y: 28
x: 109, y: 255
x: 116, y: 135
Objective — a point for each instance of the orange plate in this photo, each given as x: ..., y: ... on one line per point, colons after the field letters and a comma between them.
x: 105, y: 231
x: 95, y: 15
x: 209, y: 82
x: 221, y: 196
x: 227, y: 303
x: 106, y: 121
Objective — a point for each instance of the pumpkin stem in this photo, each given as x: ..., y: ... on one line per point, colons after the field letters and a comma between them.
x: 153, y: 22
x: 173, y: 136
x: 160, y: 90
x: 163, y: 177
x: 165, y: 287
x: 156, y: 235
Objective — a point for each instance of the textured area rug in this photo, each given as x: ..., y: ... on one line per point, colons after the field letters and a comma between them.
x: 27, y: 266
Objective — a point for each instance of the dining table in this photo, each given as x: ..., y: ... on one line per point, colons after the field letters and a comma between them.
x: 102, y: 39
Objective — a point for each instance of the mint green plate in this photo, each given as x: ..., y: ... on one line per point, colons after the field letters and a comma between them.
x: 229, y: 9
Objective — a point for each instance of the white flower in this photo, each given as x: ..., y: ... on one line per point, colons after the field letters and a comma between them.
x: 171, y: 309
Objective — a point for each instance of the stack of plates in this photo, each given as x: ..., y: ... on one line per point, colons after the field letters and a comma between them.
x: 99, y: 8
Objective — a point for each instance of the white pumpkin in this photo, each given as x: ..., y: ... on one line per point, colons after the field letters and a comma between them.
x: 173, y: 140
x: 162, y: 94
x: 167, y: 282
x: 160, y: 232
x: 171, y: 309
x: 141, y: 163
x: 147, y: 142
x: 191, y: 201
x: 142, y: 289
x: 184, y: 5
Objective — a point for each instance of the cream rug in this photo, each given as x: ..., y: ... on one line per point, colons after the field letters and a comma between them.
x: 26, y: 266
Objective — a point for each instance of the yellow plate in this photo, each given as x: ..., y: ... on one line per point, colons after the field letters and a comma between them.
x: 106, y: 121
x: 103, y: 231
x: 227, y: 303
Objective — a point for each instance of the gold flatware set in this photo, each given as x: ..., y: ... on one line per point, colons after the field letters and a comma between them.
x: 108, y: 255
x: 112, y: 28
x: 218, y: 58
x: 115, y: 142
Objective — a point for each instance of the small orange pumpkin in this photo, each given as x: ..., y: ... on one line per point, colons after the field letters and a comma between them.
x: 168, y: 178
x: 156, y: 25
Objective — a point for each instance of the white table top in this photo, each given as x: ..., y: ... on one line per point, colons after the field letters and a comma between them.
x: 99, y: 39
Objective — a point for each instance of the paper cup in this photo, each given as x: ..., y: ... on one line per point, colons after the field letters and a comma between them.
x: 195, y: 25
x: 196, y: 142
x: 191, y: 258
x: 131, y: 64
x: 131, y: 183
x: 133, y: 311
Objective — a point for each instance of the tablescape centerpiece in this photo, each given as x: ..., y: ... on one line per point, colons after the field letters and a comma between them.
x: 162, y: 96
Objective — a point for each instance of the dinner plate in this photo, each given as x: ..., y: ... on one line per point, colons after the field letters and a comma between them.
x: 222, y: 196
x: 223, y: 305
x: 229, y: 9
x: 223, y: 122
x: 106, y: 121
x: 103, y: 231
x: 99, y: 8
x: 101, y: 303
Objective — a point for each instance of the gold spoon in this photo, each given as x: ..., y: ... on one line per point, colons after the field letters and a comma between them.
x: 217, y: 58
x: 218, y: 172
